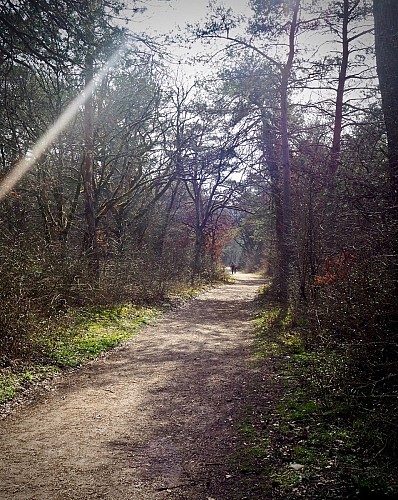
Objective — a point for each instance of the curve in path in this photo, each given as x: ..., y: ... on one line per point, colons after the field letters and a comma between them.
x: 154, y: 419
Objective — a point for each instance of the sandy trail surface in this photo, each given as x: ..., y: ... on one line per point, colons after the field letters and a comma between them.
x: 156, y: 418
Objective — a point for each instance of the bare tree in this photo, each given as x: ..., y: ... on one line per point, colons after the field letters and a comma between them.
x: 278, y: 155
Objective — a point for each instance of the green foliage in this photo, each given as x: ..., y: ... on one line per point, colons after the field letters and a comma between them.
x: 81, y: 335
x: 251, y: 458
x: 302, y: 411
x: 13, y: 382
x: 8, y: 387
x: 95, y: 330
x: 318, y: 426
x: 274, y: 334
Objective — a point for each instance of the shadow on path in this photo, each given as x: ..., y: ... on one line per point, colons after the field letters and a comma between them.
x: 156, y: 418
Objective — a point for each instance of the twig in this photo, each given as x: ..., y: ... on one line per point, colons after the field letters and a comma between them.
x: 165, y: 488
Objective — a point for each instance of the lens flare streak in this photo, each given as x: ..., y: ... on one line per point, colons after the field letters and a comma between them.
x: 34, y: 154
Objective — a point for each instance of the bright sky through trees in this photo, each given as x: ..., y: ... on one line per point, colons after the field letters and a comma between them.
x: 171, y: 17
x: 162, y: 16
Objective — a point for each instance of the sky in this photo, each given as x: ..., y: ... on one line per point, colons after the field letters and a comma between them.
x: 172, y: 16
x: 166, y: 15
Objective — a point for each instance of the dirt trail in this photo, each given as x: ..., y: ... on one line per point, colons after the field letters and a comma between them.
x: 154, y: 419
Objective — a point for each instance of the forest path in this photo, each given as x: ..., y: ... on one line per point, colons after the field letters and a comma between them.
x: 154, y: 419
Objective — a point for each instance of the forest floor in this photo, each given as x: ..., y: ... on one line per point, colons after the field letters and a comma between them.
x: 159, y: 417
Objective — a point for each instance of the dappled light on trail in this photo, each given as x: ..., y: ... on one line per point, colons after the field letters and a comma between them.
x: 154, y: 419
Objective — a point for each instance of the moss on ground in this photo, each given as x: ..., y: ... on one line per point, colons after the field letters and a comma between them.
x: 80, y: 336
x: 318, y: 443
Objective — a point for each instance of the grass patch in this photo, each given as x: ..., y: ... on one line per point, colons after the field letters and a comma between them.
x: 318, y: 438
x: 250, y: 460
x: 80, y: 336
x: 94, y: 331
x: 274, y: 335
x: 13, y: 383
x: 186, y: 293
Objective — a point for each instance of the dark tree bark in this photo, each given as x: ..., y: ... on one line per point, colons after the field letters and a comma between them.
x: 88, y: 170
x: 268, y: 144
x: 287, y: 207
x: 88, y: 163
x: 386, y: 45
x: 386, y: 39
x: 338, y: 119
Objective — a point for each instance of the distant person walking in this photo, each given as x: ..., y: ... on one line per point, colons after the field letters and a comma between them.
x: 234, y: 268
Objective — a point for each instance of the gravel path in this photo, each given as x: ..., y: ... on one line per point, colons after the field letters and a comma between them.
x: 155, y: 419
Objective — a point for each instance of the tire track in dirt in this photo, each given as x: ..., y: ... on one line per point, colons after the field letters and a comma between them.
x: 154, y: 419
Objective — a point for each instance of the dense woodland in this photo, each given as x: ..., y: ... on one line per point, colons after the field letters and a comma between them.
x: 282, y: 156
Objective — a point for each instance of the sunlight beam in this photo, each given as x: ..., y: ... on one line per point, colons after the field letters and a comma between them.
x: 35, y: 153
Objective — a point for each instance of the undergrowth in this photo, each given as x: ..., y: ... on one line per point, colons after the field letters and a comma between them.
x: 79, y: 336
x: 319, y: 441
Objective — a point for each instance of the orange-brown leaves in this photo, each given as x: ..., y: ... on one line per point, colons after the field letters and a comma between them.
x: 335, y: 269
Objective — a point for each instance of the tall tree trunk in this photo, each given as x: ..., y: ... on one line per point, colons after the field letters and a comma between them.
x: 386, y: 38
x: 331, y: 211
x: 199, y: 227
x: 338, y: 117
x: 287, y: 247
x: 268, y: 145
x: 197, y: 264
x: 88, y: 163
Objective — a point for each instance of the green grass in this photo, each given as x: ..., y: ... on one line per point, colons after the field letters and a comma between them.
x: 81, y: 335
x: 13, y: 383
x: 8, y: 387
x: 186, y: 293
x: 95, y: 331
x: 302, y: 411
x: 315, y: 423
x: 274, y: 335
